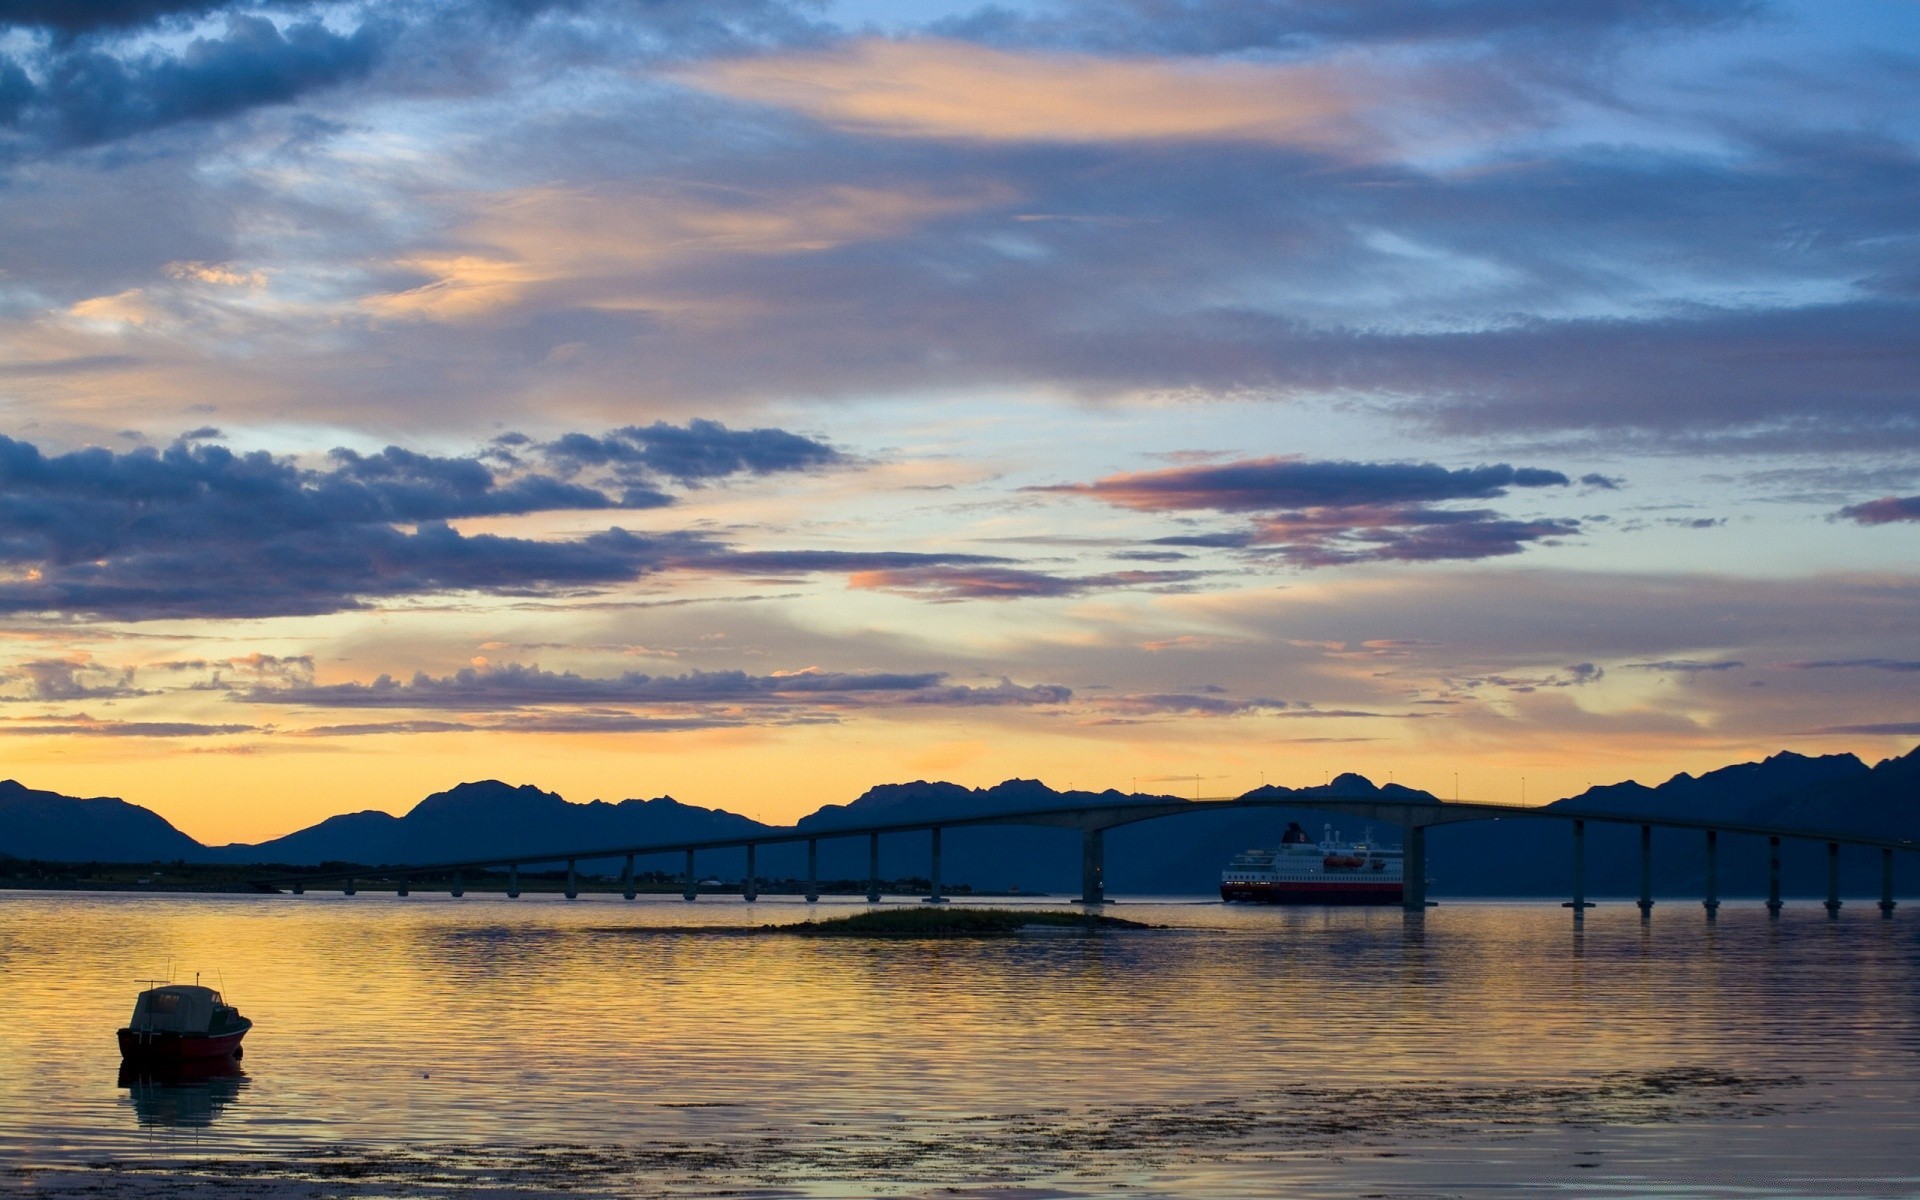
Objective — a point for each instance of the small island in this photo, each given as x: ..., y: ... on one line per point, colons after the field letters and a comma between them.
x: 941, y: 921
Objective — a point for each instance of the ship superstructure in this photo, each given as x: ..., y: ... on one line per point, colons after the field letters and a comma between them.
x: 1329, y: 871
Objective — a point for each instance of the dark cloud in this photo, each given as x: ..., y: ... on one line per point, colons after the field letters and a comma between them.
x: 1188, y: 704
x: 75, y: 678
x: 1341, y: 512
x: 1876, y: 664
x: 1576, y: 675
x: 694, y: 453
x: 1262, y: 485
x: 82, y: 725
x: 949, y: 583
x: 1332, y: 537
x: 85, y: 94
x: 82, y: 16
x: 1887, y: 729
x: 1230, y: 26
x: 197, y: 530
x: 1685, y: 666
x: 1883, y: 511
x: 1606, y: 483
x: 514, y: 686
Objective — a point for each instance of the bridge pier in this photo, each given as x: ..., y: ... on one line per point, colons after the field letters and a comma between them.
x: 573, y: 882
x: 1886, y: 882
x: 813, y: 870
x: 513, y: 882
x: 936, y: 897
x: 299, y: 889
x: 1712, y: 902
x: 1833, y: 879
x: 873, y: 868
x: 1773, y: 876
x: 691, y: 887
x: 626, y: 879
x: 1646, y: 872
x: 1093, y: 867
x: 1413, y: 869
x: 346, y: 888
x: 1579, y: 903
x: 402, y: 890
x: 459, y: 886
x: 750, y: 886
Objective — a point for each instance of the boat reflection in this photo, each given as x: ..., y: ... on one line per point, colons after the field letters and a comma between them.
x: 183, y: 1096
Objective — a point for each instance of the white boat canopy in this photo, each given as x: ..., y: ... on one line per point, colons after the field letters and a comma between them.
x: 175, y: 1008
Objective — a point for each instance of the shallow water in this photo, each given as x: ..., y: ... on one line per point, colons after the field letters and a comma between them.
x: 432, y: 1046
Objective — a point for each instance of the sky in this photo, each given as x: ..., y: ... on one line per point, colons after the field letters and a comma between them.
x: 754, y: 401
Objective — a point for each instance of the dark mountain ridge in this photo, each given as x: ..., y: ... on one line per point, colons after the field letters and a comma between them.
x: 1512, y: 856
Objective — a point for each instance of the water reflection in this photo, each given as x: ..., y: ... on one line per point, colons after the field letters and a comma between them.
x: 183, y: 1096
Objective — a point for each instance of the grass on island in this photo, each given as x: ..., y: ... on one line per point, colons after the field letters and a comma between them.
x: 941, y: 921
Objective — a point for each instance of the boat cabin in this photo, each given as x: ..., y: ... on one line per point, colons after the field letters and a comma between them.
x: 181, y: 1008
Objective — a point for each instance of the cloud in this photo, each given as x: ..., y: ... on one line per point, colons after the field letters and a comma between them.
x: 81, y: 16
x: 689, y: 455
x: 1883, y: 729
x: 1264, y: 484
x: 197, y: 530
x: 75, y: 677
x: 1341, y: 512
x: 1876, y: 664
x: 1229, y: 26
x: 1685, y: 666
x: 1188, y: 704
x: 1005, y: 583
x: 962, y: 90
x: 86, y: 95
x: 514, y: 686
x: 81, y: 725
x: 1883, y: 511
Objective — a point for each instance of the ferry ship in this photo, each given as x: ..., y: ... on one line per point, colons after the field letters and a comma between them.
x: 1303, y: 871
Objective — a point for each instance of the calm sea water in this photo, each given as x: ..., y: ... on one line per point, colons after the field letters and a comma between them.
x: 431, y: 1046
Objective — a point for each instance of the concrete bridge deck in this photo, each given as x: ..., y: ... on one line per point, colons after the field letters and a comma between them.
x: 1413, y: 816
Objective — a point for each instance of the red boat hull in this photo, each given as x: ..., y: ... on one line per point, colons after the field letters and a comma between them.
x: 145, y: 1047
x: 1313, y: 893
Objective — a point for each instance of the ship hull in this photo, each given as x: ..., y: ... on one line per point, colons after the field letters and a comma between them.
x: 138, y: 1046
x: 1319, y: 892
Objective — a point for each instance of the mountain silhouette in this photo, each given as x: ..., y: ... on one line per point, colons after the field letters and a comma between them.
x: 1510, y: 856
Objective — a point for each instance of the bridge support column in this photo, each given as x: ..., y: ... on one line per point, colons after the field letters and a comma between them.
x: 691, y: 887
x: 1833, y: 879
x: 626, y: 879
x: 1413, y: 870
x: 1712, y: 902
x: 459, y: 886
x: 750, y: 886
x: 573, y: 882
x: 299, y: 889
x: 1579, y: 903
x: 1886, y: 882
x: 1773, y: 876
x: 1093, y: 867
x: 813, y: 870
x: 346, y: 889
x: 1646, y: 871
x: 402, y: 889
x: 513, y: 882
x: 936, y: 897
x: 873, y: 868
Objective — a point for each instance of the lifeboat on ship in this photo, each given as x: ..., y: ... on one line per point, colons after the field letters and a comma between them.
x: 182, y: 1023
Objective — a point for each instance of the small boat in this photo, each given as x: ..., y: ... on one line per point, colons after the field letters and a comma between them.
x: 182, y: 1022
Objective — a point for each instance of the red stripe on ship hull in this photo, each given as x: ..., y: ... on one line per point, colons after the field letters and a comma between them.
x: 1313, y: 893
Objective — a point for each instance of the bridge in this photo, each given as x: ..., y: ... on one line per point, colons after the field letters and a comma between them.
x: 1414, y: 817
